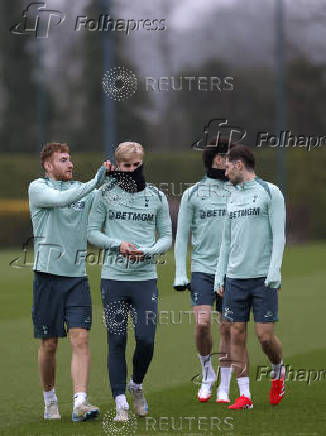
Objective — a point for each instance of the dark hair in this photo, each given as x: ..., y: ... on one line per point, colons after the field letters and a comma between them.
x: 243, y: 153
x: 50, y: 148
x: 215, y: 146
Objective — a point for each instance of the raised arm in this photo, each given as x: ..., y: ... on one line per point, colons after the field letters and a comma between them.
x: 181, y: 243
x: 42, y: 195
x: 277, y: 222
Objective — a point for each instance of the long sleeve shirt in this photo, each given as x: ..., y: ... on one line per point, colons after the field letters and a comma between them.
x: 202, y: 212
x: 59, y: 212
x: 117, y: 216
x: 254, y: 234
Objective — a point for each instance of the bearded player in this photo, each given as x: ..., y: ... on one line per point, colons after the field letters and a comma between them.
x: 131, y: 214
x: 61, y: 298
x: 249, y: 269
x: 202, y: 212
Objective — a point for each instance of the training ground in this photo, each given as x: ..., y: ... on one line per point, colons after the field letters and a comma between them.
x: 173, y: 408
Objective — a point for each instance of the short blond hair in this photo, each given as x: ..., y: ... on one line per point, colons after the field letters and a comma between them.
x: 126, y: 149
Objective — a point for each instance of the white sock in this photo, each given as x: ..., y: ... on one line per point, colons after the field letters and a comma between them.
x: 121, y: 401
x: 276, y: 369
x: 79, y: 398
x: 49, y: 396
x: 136, y: 385
x: 226, y: 374
x: 207, y: 369
x: 243, y: 383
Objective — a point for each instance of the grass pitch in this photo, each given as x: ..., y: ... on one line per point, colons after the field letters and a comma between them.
x: 168, y: 386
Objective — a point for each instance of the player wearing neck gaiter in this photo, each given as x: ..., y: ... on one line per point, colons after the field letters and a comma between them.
x: 130, y: 213
x: 202, y: 212
x: 59, y: 210
x: 249, y: 267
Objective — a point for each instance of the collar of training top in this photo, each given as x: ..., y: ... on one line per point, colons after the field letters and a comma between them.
x: 130, y: 181
x: 247, y: 185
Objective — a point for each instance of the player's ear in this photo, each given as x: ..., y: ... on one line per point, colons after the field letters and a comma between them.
x: 47, y: 165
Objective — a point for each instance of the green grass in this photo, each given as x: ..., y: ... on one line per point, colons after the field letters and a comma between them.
x: 169, y: 390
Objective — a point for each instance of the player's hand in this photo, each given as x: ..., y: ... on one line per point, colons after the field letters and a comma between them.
x: 220, y: 291
x: 109, y: 167
x: 126, y: 248
x: 136, y: 255
x: 182, y: 288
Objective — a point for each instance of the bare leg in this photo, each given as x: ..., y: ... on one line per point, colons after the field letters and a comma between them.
x: 80, y: 361
x: 239, y: 352
x: 47, y: 363
x: 269, y: 342
x: 203, y: 332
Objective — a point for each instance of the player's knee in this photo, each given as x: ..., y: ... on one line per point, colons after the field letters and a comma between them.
x: 146, y: 343
x: 79, y: 339
x: 225, y: 329
x: 49, y: 345
x: 265, y: 340
x: 203, y: 324
x: 238, y: 334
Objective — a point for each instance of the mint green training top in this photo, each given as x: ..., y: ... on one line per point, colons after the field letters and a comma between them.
x: 254, y: 234
x: 131, y: 217
x: 59, y: 212
x: 202, y: 211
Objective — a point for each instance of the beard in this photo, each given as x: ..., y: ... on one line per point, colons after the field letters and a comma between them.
x: 63, y: 176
